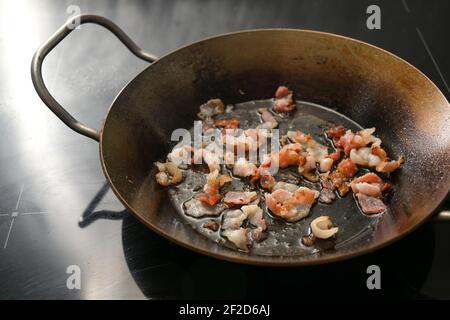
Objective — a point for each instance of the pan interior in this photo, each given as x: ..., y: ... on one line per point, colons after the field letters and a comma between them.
x: 283, y: 238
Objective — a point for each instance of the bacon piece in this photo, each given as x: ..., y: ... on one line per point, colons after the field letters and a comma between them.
x: 336, y: 133
x: 285, y: 186
x: 284, y: 101
x: 290, y: 155
x: 265, y: 172
x: 389, y: 166
x: 255, y: 216
x: 368, y: 190
x: 326, y: 164
x: 169, y: 174
x: 239, y: 197
x: 373, y: 179
x: 211, y: 108
x: 341, y: 176
x: 308, y: 168
x: 237, y: 237
x: 291, y: 206
x: 244, y: 168
x: 214, y: 182
x: 370, y: 205
x: 335, y: 155
x: 233, y: 219
x: 326, y: 196
x: 227, y: 123
x: 364, y: 157
x: 347, y: 167
x: 269, y: 121
x: 197, y: 209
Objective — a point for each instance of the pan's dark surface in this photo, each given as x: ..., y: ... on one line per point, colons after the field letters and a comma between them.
x: 366, y: 84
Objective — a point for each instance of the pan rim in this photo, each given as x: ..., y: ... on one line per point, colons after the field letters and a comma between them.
x: 270, y: 260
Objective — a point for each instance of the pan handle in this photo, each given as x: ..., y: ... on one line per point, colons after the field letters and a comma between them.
x: 55, y: 39
x: 443, y: 216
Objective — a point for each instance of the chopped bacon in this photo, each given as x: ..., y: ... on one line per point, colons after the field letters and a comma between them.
x: 368, y: 190
x: 325, y: 164
x: 335, y: 155
x: 227, y: 123
x: 211, y: 194
x: 326, y: 195
x: 283, y: 100
x: 211, y: 108
x: 281, y: 92
x: 269, y: 120
x: 239, y: 197
x: 375, y: 157
x: 255, y: 216
x: 341, y: 176
x: 373, y: 179
x: 244, y: 168
x: 238, y: 237
x: 168, y: 174
x: 233, y: 219
x: 291, y: 206
x: 336, y: 133
x: 389, y: 166
x: 197, y: 209
x: 347, y: 167
x: 370, y: 205
x: 290, y: 155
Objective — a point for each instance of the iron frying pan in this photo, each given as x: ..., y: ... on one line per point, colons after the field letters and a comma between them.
x: 365, y: 83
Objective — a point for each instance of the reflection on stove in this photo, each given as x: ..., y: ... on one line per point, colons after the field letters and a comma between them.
x: 15, y: 214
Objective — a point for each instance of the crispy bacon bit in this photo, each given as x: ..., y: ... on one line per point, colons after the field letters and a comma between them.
x: 237, y: 237
x: 233, y: 219
x: 197, y: 209
x: 283, y: 100
x: 214, y: 181
x: 291, y: 206
x: 309, y: 240
x: 347, y: 167
x: 244, y: 168
x: 255, y: 216
x: 370, y: 205
x: 289, y: 155
x: 227, y: 123
x: 389, y: 166
x: 211, y: 225
x: 168, y: 174
x: 239, y: 197
x: 336, y: 133
x: 368, y: 190
x: 341, y: 176
x: 211, y: 108
x: 326, y: 164
x: 326, y: 196
x: 264, y: 173
x: 358, y: 184
x: 335, y: 155
x: 244, y: 237
x: 269, y: 121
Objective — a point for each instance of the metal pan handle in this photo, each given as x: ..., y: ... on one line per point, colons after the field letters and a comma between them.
x: 443, y: 216
x: 55, y: 39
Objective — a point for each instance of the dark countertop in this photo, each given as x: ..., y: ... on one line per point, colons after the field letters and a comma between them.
x: 50, y: 177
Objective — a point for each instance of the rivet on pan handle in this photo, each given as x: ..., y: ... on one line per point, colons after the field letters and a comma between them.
x: 41, y: 53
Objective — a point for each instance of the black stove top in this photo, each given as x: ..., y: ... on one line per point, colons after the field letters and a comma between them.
x: 57, y: 213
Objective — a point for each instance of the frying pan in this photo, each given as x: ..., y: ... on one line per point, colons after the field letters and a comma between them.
x: 365, y: 83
